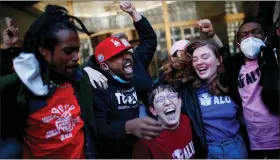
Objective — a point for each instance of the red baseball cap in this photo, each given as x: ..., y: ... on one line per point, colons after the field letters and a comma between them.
x: 108, y: 48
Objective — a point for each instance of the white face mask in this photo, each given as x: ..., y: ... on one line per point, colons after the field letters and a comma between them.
x: 251, y: 47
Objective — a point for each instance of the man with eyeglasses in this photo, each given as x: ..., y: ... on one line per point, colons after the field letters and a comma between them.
x: 175, y: 141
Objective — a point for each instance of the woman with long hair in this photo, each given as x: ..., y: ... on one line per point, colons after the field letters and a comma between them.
x: 212, y: 112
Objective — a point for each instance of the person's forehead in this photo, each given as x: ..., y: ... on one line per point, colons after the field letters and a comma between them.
x: 164, y: 92
x: 67, y: 36
x: 202, y: 50
x: 250, y: 26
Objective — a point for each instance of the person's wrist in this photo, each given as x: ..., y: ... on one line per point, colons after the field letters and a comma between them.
x: 133, y: 13
x: 210, y: 34
x: 127, y: 127
x: 136, y: 16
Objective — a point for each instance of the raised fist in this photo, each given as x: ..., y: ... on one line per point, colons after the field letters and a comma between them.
x: 206, y: 27
x: 127, y: 6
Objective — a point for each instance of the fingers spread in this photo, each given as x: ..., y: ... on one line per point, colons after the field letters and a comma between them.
x: 92, y: 83
x: 99, y: 83
x: 104, y: 78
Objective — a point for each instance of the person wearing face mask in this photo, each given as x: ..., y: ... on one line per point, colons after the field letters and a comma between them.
x: 206, y: 101
x: 253, y: 79
x: 175, y: 141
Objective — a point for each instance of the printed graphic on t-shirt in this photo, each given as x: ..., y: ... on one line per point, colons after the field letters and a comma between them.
x: 249, y: 78
x: 126, y: 99
x: 183, y: 153
x: 64, y: 121
x: 206, y: 99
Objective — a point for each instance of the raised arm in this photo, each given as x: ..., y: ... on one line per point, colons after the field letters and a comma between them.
x: 8, y: 50
x: 148, y: 40
x: 207, y: 29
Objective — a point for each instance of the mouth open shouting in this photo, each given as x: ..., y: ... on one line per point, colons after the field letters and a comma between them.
x: 167, y: 108
x: 170, y: 113
x: 127, y: 68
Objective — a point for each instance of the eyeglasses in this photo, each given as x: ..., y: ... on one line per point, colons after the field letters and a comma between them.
x: 171, y: 97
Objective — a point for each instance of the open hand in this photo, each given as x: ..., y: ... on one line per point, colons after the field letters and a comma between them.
x: 96, y: 77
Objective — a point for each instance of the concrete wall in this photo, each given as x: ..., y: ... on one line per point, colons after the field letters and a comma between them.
x: 20, y: 18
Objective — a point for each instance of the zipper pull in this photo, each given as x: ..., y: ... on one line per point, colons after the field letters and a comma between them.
x: 275, y: 54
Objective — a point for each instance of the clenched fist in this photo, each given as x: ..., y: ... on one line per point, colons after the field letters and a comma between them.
x: 127, y: 6
x: 206, y: 27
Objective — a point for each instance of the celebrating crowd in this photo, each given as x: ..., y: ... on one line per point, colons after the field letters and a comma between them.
x: 204, y: 105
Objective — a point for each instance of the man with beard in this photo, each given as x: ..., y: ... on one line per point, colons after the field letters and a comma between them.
x: 50, y: 98
x: 142, y: 54
x: 117, y: 107
x: 175, y: 141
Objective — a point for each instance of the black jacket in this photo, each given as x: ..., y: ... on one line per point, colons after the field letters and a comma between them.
x: 269, y: 79
x: 191, y: 108
x: 142, y: 57
x: 119, y: 103
x: 7, y: 113
x: 113, y: 108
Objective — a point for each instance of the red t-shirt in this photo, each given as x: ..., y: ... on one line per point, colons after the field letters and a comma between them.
x: 56, y: 130
x: 170, y: 144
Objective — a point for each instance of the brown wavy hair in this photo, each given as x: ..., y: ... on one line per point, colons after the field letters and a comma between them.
x: 181, y: 69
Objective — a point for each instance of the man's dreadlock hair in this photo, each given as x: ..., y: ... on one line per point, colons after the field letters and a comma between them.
x: 42, y: 32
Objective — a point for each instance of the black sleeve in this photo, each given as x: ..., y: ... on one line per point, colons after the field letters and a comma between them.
x: 6, y: 59
x: 106, y: 131
x: 270, y: 80
x: 148, y: 42
x: 92, y: 63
